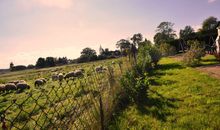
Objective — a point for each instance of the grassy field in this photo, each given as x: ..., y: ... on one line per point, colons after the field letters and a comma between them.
x: 74, y: 102
x: 179, y: 98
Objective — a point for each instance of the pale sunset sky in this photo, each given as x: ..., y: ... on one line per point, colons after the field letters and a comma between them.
x: 39, y: 28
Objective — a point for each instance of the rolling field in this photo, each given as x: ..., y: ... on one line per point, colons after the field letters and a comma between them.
x: 70, y: 104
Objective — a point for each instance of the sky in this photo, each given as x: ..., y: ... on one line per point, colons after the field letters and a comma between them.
x: 30, y: 29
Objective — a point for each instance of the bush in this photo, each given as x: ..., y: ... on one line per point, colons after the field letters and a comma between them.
x: 135, y: 84
x: 193, y: 56
x: 148, y: 57
x: 167, y: 50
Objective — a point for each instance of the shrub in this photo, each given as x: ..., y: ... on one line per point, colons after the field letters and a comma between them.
x: 148, y: 56
x: 135, y: 84
x: 193, y: 56
x: 167, y: 50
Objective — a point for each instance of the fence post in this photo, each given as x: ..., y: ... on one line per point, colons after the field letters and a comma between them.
x: 101, y: 113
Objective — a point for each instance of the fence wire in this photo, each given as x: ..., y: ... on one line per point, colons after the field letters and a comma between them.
x: 78, y: 103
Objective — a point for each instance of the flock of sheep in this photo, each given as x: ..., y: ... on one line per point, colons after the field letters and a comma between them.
x: 22, y: 85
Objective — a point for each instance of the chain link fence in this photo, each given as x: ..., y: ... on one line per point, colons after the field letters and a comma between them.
x: 77, y: 103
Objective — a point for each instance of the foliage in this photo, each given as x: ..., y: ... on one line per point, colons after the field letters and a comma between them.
x: 87, y: 54
x: 167, y: 49
x: 136, y: 39
x: 209, y: 24
x: 193, y: 56
x: 124, y: 46
x: 135, y: 85
x: 164, y: 33
x: 148, y: 56
x: 186, y: 32
x: 41, y: 63
x: 174, y: 103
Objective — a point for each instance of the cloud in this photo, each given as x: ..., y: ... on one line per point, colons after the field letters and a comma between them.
x: 211, y: 1
x: 63, y: 4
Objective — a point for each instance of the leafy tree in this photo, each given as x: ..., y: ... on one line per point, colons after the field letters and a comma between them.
x: 50, y: 61
x: 209, y: 24
x: 186, y: 32
x: 11, y: 65
x: 137, y: 38
x: 124, y: 45
x: 87, y: 54
x: 41, y: 63
x: 165, y: 32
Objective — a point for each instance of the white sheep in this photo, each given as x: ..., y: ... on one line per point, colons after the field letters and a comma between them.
x: 60, y: 76
x: 2, y: 87
x: 39, y: 82
x: 55, y: 76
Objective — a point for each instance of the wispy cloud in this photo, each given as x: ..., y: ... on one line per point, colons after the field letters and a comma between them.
x: 63, y: 4
x: 211, y: 1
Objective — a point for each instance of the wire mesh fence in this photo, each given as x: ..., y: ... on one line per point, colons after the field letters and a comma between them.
x: 77, y: 103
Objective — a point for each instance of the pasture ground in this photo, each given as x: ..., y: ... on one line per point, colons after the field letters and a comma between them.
x: 179, y: 98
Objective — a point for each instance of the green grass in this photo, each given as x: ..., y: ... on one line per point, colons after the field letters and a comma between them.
x: 179, y: 98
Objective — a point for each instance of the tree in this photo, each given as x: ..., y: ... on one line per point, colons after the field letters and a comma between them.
x: 40, y: 63
x: 165, y: 32
x: 87, y: 54
x: 11, y: 65
x: 50, y: 62
x: 186, y: 32
x: 209, y: 24
x: 124, y: 45
x: 137, y: 38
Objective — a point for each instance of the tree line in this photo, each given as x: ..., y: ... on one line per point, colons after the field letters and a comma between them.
x: 165, y: 39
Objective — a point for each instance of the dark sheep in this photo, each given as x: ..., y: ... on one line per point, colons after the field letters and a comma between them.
x: 10, y: 86
x: 69, y: 75
x: 22, y: 86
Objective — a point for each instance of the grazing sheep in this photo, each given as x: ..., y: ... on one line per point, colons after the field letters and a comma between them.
x: 60, y: 76
x: 10, y: 86
x: 100, y: 69
x: 22, y: 86
x: 2, y: 87
x: 69, y: 75
x: 55, y: 76
x: 14, y: 82
x: 78, y: 73
x: 22, y: 81
x: 39, y: 82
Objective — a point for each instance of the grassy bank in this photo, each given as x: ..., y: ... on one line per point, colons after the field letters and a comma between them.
x: 179, y: 98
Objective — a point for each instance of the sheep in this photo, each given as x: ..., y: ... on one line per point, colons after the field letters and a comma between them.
x: 2, y: 87
x: 14, y: 82
x: 60, y: 76
x: 69, y: 75
x: 10, y: 86
x: 76, y: 73
x: 55, y: 76
x: 22, y: 86
x: 39, y: 82
x: 100, y: 69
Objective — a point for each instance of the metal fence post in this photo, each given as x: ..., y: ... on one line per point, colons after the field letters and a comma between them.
x: 101, y: 113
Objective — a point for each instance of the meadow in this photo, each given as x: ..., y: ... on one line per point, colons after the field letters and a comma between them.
x: 78, y: 103
x: 179, y: 97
